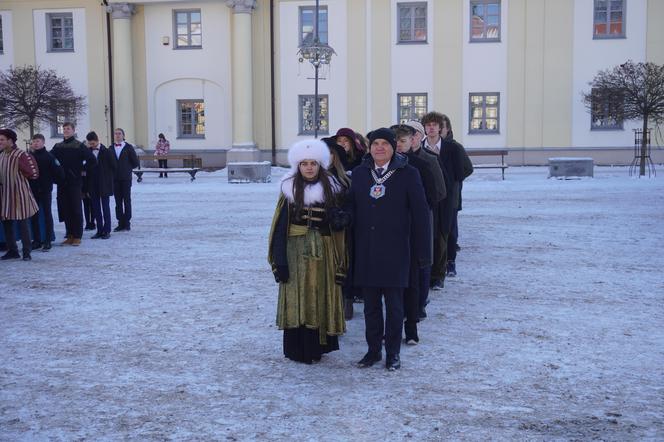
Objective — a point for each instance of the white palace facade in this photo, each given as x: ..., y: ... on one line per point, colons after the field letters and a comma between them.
x: 223, y: 79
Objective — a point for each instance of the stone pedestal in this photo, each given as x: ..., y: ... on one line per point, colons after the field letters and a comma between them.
x: 250, y: 172
x: 565, y: 167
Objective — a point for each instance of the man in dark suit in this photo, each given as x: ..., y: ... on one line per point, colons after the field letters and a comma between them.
x: 99, y: 185
x: 385, y: 198
x: 126, y: 161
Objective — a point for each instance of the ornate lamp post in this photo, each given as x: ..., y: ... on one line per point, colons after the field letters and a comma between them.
x: 317, y: 54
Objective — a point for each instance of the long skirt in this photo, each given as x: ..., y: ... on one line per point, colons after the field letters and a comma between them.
x: 303, y: 344
x: 310, y: 306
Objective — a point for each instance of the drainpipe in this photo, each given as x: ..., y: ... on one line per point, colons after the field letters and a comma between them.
x: 272, y: 93
x: 110, y: 68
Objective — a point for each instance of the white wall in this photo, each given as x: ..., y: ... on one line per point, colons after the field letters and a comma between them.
x: 484, y: 70
x: 591, y: 56
x: 297, y: 78
x: 7, y: 55
x: 174, y: 74
x: 412, y: 64
x: 71, y: 65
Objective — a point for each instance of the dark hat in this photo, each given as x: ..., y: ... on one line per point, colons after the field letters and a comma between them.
x: 351, y: 135
x: 385, y: 134
x: 8, y: 133
x: 336, y: 148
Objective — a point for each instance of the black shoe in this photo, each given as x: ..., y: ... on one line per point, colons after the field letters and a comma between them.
x: 12, y: 254
x: 36, y: 245
x: 105, y: 235
x: 90, y: 226
x: 369, y: 359
x: 26, y: 256
x: 96, y: 235
x: 47, y: 246
x: 392, y: 362
x: 128, y: 227
x: 119, y: 229
x: 458, y: 248
x: 422, y: 314
x: 451, y: 268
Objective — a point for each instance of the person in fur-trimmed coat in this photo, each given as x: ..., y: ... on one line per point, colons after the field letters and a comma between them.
x: 307, y: 255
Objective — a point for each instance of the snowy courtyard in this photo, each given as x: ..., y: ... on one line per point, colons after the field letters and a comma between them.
x: 553, y: 329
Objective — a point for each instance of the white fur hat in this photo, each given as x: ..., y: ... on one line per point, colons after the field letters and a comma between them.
x: 309, y: 150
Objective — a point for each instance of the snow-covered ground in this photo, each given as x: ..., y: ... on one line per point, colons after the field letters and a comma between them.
x: 554, y: 328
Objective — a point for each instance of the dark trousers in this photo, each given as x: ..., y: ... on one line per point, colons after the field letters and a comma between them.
x: 439, y: 266
x: 87, y: 211
x: 163, y: 164
x: 425, y: 281
x: 453, y: 238
x: 411, y: 301
x: 376, y: 328
x: 44, y: 202
x: 122, y: 192
x: 101, y: 210
x: 10, y: 238
x: 69, y: 202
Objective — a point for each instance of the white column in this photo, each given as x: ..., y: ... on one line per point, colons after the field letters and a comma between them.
x: 244, y: 148
x: 123, y: 78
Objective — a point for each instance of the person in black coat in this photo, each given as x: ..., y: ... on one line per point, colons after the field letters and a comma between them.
x: 126, y: 161
x: 404, y: 136
x: 386, y: 197
x: 450, y: 158
x: 50, y: 172
x: 441, y: 193
x: 74, y: 156
x: 99, y: 185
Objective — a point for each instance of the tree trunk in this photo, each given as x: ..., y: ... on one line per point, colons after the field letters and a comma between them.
x: 644, y: 146
x: 31, y: 124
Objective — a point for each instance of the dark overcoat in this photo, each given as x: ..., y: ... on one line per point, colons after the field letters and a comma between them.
x: 382, y: 227
x: 74, y: 157
x: 100, y: 177
x: 127, y: 162
x: 451, y: 160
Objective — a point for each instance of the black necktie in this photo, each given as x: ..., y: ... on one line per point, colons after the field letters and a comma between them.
x: 380, y: 171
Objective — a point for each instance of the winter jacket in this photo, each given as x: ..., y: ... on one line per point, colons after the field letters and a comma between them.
x: 50, y: 172
x: 74, y: 157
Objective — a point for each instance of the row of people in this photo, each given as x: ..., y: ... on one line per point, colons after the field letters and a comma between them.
x: 79, y: 170
x: 382, y: 230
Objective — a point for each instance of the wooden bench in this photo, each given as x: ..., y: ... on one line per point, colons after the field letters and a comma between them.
x: 190, y: 170
x: 490, y: 152
x: 195, y: 164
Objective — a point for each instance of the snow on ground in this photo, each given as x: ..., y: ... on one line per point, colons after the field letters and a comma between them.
x: 552, y: 330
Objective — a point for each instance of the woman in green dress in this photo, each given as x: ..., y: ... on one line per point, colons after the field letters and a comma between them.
x: 307, y: 254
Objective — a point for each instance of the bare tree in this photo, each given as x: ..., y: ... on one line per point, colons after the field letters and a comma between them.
x: 631, y: 91
x: 31, y: 96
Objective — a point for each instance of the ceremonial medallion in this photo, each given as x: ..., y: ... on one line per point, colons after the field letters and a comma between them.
x: 377, y: 191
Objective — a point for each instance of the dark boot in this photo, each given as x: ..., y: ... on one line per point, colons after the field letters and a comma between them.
x: 348, y: 308
x: 47, y: 246
x: 12, y: 254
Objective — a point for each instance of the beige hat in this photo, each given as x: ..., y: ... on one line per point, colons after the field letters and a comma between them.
x: 416, y: 125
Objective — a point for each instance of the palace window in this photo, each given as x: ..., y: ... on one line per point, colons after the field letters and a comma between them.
x: 191, y: 118
x: 607, y: 110
x: 306, y: 106
x: 307, y: 31
x: 187, y: 28
x: 60, y: 32
x: 484, y: 20
x: 484, y: 112
x: 411, y: 107
x: 412, y: 23
x: 609, y: 19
